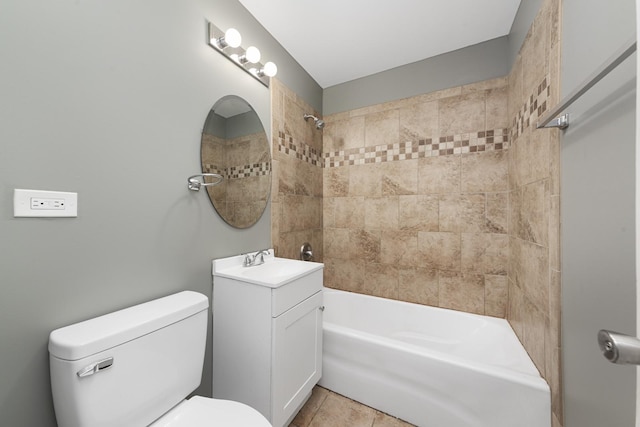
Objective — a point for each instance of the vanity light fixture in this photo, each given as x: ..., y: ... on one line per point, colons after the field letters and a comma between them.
x: 252, y: 56
x: 231, y: 38
x: 248, y: 60
x: 269, y: 69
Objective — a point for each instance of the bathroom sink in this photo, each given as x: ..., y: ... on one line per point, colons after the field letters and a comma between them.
x: 274, y: 272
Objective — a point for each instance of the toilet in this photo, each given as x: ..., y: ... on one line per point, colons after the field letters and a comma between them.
x: 136, y: 367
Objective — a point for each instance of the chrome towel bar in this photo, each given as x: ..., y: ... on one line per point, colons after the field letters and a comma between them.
x: 551, y: 119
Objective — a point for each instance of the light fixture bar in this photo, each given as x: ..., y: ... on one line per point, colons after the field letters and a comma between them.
x: 238, y: 55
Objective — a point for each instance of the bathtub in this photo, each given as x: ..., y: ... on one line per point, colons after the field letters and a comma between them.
x: 430, y: 366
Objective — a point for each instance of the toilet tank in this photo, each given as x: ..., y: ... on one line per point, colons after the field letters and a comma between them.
x: 129, y: 367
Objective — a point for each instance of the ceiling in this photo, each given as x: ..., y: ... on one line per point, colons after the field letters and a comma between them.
x: 336, y: 41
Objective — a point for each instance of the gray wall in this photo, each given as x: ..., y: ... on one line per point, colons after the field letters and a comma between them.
x: 215, y: 125
x: 232, y: 127
x: 108, y: 99
x: 243, y: 124
x: 598, y: 217
x: 469, y: 65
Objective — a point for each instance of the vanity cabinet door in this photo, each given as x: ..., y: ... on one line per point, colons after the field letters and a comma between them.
x: 297, y: 356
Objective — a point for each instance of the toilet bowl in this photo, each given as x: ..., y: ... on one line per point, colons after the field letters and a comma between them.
x: 136, y: 366
x: 205, y: 412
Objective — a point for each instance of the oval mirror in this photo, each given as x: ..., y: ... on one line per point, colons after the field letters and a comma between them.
x: 235, y: 145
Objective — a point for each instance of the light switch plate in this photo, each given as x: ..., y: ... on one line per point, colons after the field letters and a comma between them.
x: 41, y: 203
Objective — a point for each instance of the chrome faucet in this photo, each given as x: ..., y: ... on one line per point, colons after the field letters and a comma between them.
x: 255, y: 259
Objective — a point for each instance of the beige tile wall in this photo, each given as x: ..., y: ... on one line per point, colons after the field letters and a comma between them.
x: 534, y: 190
x: 449, y: 199
x: 244, y: 163
x: 416, y: 198
x: 296, y: 194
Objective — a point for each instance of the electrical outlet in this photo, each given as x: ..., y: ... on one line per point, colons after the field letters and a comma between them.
x: 45, y: 204
x: 40, y: 203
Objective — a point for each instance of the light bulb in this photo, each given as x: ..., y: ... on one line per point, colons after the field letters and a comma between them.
x: 270, y: 69
x: 232, y: 37
x: 252, y: 54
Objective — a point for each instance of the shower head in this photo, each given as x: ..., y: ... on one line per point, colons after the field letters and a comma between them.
x: 319, y: 123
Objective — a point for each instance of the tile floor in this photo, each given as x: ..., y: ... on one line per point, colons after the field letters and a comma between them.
x: 328, y: 409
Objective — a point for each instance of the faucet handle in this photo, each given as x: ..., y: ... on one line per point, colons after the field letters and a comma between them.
x: 248, y: 260
x: 262, y: 253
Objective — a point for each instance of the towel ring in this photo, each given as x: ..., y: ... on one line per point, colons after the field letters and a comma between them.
x: 194, y: 184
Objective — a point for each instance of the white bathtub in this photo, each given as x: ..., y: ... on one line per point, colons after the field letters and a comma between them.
x: 429, y: 366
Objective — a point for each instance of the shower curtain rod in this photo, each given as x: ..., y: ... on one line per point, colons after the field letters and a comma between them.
x: 551, y: 119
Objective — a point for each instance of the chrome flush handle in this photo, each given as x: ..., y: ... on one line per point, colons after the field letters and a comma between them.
x: 100, y: 365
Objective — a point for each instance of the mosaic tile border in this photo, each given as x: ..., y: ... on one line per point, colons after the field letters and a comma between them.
x: 211, y: 168
x: 489, y: 140
x: 302, y: 151
x: 238, y: 172
x: 534, y: 107
x: 255, y: 169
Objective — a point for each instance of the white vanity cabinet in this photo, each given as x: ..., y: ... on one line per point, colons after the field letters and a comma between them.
x: 267, y: 336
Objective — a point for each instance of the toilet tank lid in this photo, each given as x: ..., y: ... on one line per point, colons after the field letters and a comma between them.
x: 92, y: 336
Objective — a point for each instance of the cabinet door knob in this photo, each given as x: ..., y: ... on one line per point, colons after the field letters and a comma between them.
x: 322, y: 308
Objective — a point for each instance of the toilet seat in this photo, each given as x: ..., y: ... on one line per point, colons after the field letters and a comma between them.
x: 206, y: 412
